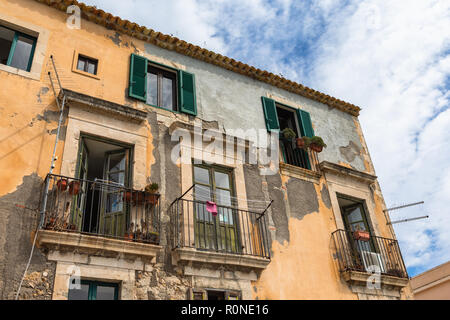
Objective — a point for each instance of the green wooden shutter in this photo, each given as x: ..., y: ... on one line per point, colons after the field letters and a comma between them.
x: 270, y: 114
x: 304, y: 120
x: 187, y: 97
x: 138, y: 77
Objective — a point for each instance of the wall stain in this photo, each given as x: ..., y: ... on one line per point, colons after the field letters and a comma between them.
x: 42, y: 91
x: 350, y: 152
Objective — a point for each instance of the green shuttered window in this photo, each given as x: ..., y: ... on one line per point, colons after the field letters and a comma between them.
x: 270, y: 114
x: 187, y: 92
x: 146, y: 86
x: 272, y: 123
x: 138, y: 77
x: 304, y: 119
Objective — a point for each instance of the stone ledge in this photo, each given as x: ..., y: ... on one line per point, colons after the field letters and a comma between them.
x: 104, y: 107
x: 359, y: 278
x: 191, y: 255
x: 300, y: 173
x: 96, y: 244
x: 352, y: 173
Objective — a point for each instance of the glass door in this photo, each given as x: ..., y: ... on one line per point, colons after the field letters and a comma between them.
x: 214, y: 232
x: 80, y: 197
x: 113, y: 215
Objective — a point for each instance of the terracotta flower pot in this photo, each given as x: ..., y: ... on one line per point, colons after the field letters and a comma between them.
x: 128, y: 236
x: 361, y: 235
x: 74, y: 187
x: 300, y: 142
x: 138, y: 197
x: 127, y: 196
x: 62, y: 184
x: 316, y: 147
x: 151, y: 198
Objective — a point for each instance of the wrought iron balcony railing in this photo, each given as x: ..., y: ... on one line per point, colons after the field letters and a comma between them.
x: 232, y: 230
x: 377, y: 254
x: 303, y: 158
x: 102, y: 209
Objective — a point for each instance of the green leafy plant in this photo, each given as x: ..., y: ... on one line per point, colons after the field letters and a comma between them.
x: 288, y: 133
x: 318, y: 141
x: 152, y: 187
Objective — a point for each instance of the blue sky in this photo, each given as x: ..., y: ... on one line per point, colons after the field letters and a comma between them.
x: 389, y: 57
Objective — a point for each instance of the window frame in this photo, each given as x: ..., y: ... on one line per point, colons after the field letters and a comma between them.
x: 86, y: 60
x: 93, y: 284
x: 161, y: 70
x: 204, y: 292
x: 18, y: 34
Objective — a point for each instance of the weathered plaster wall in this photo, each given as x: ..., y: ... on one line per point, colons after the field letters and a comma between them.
x: 300, y: 220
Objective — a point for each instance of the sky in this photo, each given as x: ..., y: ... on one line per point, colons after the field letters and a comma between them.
x: 392, y: 58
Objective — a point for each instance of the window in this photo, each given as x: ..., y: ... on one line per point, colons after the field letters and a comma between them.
x: 355, y: 219
x: 87, y: 64
x: 279, y: 117
x: 162, y: 86
x: 213, y: 294
x: 93, y: 290
x: 16, y: 49
x: 215, y: 232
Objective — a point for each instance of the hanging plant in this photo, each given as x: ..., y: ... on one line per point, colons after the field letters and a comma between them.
x: 74, y: 187
x: 316, y: 143
x: 62, y: 184
x: 301, y: 142
x: 288, y: 134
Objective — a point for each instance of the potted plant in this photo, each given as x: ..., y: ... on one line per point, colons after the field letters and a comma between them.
x: 151, y: 236
x: 62, y: 184
x: 302, y: 142
x: 74, y: 187
x: 288, y: 134
x: 150, y: 193
x: 127, y: 195
x: 138, y: 197
x: 316, y: 143
x: 129, y: 234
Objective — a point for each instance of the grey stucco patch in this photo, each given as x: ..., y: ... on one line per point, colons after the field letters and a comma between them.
x: 116, y: 39
x: 350, y: 152
x: 42, y: 91
x: 325, y: 195
x: 16, y: 226
x: 302, y: 198
x: 156, y: 166
x: 278, y: 208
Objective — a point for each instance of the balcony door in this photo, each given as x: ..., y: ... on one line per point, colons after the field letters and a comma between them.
x: 104, y: 170
x: 113, y: 214
x: 215, y: 232
x: 80, y: 198
x: 364, y: 254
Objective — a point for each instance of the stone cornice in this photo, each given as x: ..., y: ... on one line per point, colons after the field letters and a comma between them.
x: 174, y: 44
x: 103, y: 106
x: 95, y: 244
x: 326, y: 166
x: 191, y: 255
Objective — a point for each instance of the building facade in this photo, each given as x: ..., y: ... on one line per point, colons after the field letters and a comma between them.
x: 170, y: 178
x: 433, y: 284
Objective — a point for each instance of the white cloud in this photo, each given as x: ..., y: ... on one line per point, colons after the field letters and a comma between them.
x: 396, y: 67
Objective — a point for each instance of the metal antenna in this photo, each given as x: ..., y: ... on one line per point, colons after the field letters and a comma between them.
x: 402, y: 207
x: 406, y: 220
